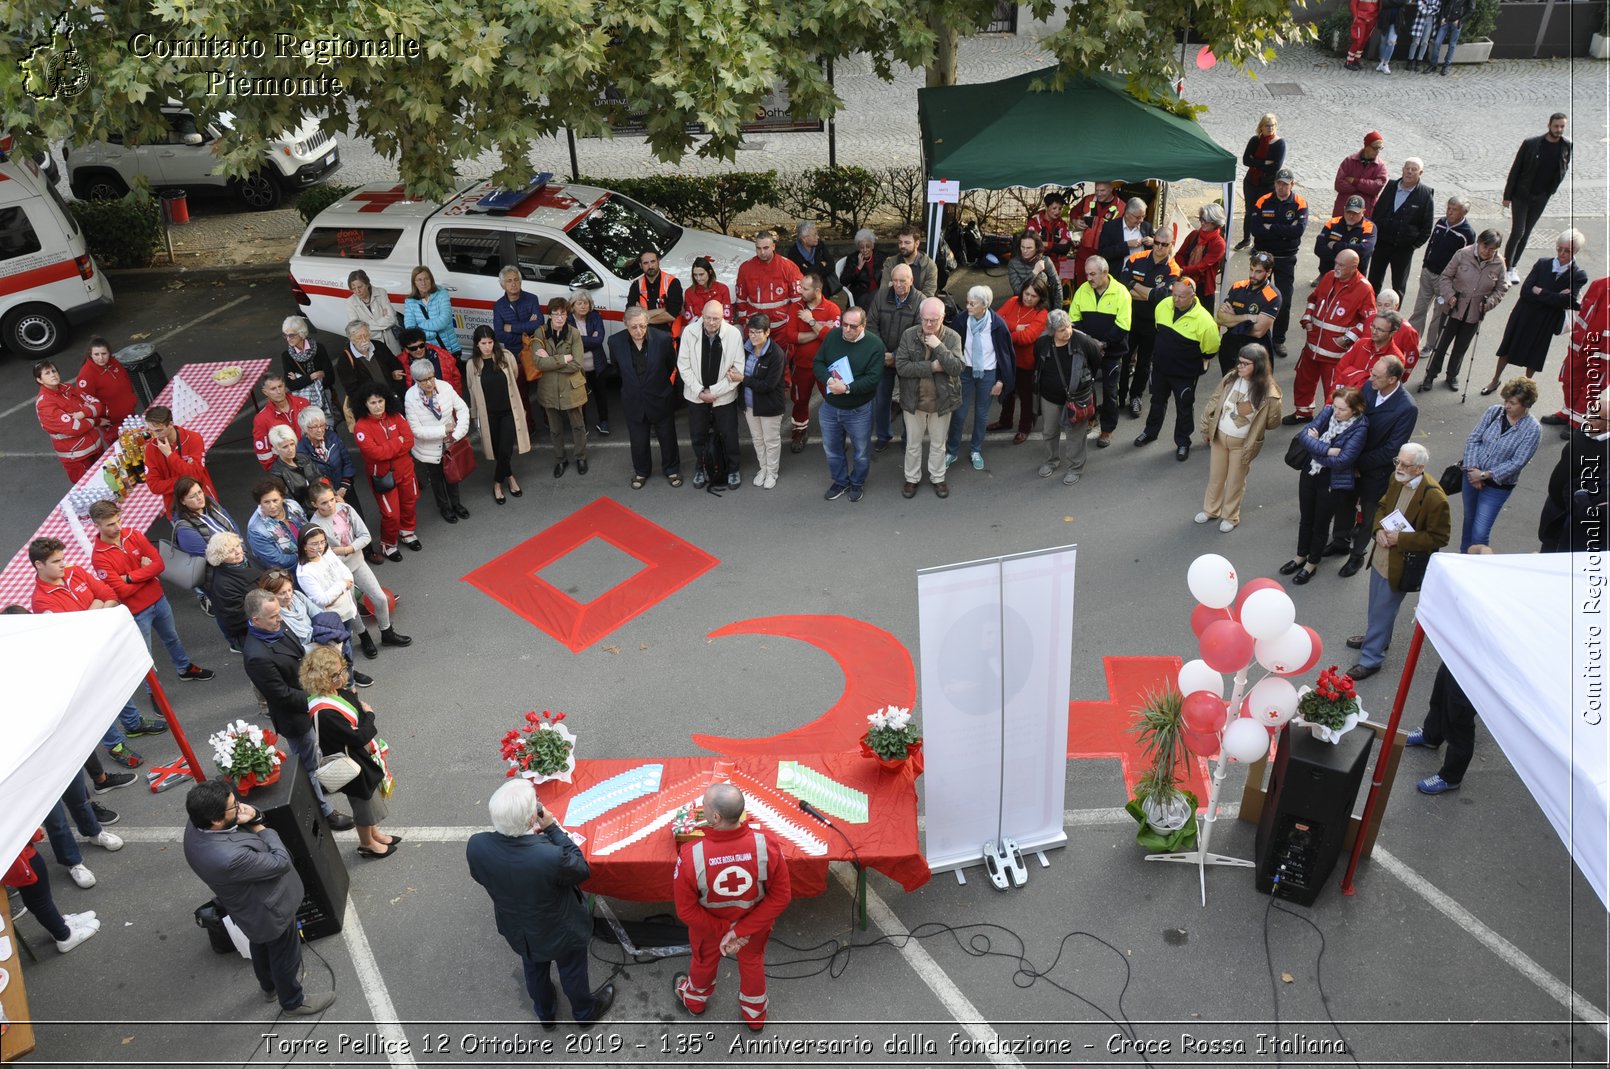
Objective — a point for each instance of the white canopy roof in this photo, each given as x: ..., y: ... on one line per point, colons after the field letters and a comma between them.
x: 66, y: 677
x: 1524, y: 634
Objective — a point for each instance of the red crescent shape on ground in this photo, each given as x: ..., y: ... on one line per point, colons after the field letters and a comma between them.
x: 877, y: 672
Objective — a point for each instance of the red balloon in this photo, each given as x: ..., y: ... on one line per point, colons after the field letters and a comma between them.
x: 1319, y: 650
x: 1251, y: 589
x: 1202, y: 744
x: 1205, y: 58
x: 1203, y: 712
x: 1202, y: 617
x: 1226, y: 646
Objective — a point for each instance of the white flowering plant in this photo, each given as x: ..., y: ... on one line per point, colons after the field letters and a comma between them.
x: 241, y: 749
x: 891, y: 732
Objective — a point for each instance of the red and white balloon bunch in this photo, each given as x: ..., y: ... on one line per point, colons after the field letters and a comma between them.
x: 1237, y: 626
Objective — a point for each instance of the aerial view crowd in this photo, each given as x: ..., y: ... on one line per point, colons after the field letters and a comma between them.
x: 1102, y: 316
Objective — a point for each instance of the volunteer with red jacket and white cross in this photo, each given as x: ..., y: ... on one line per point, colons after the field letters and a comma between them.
x: 768, y: 284
x: 72, y: 419
x: 1339, y: 313
x: 731, y: 886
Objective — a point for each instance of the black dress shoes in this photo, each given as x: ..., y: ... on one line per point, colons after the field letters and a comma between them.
x: 1145, y: 438
x: 1291, y: 566
x: 463, y: 513
x: 559, y: 468
x: 1359, y: 671
x: 1183, y: 453
x: 450, y: 517
x: 1302, y: 577
x: 603, y: 999
x: 1350, y: 569
x: 1356, y: 642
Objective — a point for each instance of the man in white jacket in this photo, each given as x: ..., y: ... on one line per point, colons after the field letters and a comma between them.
x: 438, y: 416
x: 703, y: 360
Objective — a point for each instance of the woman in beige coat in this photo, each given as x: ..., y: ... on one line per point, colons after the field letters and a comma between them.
x: 562, y: 390
x: 1470, y: 286
x: 494, y: 380
x: 1238, y: 415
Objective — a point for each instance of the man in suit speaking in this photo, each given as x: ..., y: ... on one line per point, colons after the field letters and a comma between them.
x: 533, y: 871
x: 250, y: 873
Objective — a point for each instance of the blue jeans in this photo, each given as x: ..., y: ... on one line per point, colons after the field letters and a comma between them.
x: 1450, y: 33
x: 159, y: 618
x: 572, y: 977
x: 976, y: 387
x: 75, y: 805
x: 880, y: 407
x: 1382, y: 615
x: 129, y: 717
x: 1389, y: 42
x: 1481, y: 512
x: 856, y: 425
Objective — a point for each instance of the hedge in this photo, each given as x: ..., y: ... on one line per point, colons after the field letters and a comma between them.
x: 695, y: 200
x: 317, y: 198
x: 120, y: 233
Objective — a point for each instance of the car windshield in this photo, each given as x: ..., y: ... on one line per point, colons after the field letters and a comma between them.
x: 618, y: 230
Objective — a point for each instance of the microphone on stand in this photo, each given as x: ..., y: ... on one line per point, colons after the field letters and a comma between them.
x: 815, y: 814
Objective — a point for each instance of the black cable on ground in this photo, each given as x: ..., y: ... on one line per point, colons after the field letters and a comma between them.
x: 1319, y: 975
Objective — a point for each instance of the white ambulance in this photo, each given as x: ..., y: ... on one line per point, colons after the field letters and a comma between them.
x: 47, y: 277
x: 565, y: 239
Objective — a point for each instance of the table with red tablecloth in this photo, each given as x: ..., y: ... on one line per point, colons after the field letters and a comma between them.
x: 642, y: 870
x: 141, y: 507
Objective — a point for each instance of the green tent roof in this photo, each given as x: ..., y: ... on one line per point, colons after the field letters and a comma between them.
x: 1005, y: 133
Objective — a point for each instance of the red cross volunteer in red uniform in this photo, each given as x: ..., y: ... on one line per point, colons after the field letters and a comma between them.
x: 731, y: 886
x: 72, y: 420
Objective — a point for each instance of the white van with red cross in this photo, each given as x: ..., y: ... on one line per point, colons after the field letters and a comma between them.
x: 47, y: 277
x: 565, y: 240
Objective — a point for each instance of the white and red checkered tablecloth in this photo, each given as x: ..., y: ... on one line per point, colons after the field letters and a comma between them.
x: 141, y: 507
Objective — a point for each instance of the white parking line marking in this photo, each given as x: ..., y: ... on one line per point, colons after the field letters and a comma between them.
x: 381, y: 1009
x: 927, y: 969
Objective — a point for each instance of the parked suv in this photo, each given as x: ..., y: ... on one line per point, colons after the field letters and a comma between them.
x: 188, y: 160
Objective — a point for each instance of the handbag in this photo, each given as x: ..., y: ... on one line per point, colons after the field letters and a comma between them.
x: 528, y: 359
x: 1079, y: 411
x: 1296, y: 456
x: 1453, y: 479
x: 1414, y: 570
x: 335, y: 770
x: 384, y: 484
x: 458, y: 460
x: 179, y: 568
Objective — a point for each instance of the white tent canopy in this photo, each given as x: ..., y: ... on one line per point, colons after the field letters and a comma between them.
x: 1525, y: 637
x: 67, y: 675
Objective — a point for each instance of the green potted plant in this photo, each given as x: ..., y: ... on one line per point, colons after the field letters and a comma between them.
x: 1475, y: 37
x: 1165, y: 812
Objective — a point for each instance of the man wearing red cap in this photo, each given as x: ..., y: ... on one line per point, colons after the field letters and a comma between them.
x: 1364, y: 174
x: 1365, y: 13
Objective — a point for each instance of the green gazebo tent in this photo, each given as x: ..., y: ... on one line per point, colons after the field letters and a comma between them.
x: 1006, y: 133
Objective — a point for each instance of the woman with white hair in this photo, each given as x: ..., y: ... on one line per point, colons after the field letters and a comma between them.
x: 988, y: 371
x: 1547, y: 295
x: 1202, y: 252
x: 309, y: 373
x: 438, y: 416
x: 293, y: 468
x: 230, y: 577
x: 862, y: 269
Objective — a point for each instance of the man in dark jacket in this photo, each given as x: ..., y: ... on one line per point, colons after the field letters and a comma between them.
x: 1403, y: 219
x: 249, y: 871
x: 890, y: 313
x: 1576, y: 512
x: 1540, y: 166
x: 273, y: 659
x: 647, y: 364
x: 1187, y: 338
x: 533, y: 872
x: 812, y: 256
x: 1126, y: 235
x: 1392, y: 416
x: 1448, y: 235
x: 1350, y: 230
x: 1278, y: 222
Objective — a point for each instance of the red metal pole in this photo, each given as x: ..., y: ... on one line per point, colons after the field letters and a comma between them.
x: 160, y: 699
x: 1386, y: 748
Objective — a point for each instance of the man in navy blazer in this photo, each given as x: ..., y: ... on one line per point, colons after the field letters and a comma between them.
x: 1391, y: 418
x: 647, y: 365
x: 533, y: 872
x: 249, y: 872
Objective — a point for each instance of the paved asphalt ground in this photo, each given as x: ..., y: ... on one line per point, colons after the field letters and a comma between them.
x: 1468, y: 936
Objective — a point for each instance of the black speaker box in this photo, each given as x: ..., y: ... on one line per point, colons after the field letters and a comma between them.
x: 1312, y: 788
x: 288, y: 807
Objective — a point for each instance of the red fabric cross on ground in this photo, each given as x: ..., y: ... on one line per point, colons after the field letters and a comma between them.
x: 1102, y: 729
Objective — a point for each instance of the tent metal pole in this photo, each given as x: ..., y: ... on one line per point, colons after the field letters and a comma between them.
x: 160, y: 699
x: 1229, y: 221
x: 1391, y: 735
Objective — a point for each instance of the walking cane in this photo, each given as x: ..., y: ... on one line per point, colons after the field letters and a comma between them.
x: 1472, y: 351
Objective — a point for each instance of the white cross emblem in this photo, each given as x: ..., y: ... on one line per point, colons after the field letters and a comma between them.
x: 733, y: 881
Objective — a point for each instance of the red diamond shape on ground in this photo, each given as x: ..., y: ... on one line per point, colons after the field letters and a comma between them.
x: 669, y: 564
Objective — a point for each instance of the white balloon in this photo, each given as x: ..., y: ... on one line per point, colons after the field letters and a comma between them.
x: 1245, y: 740
x: 1212, y: 580
x: 1285, y: 654
x: 1268, y: 614
x: 1272, y: 701
x: 1196, y: 675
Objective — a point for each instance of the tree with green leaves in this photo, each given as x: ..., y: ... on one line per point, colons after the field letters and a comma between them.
x: 479, y: 76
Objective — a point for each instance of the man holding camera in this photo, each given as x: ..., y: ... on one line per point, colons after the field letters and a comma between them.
x: 533, y: 871
x: 250, y: 873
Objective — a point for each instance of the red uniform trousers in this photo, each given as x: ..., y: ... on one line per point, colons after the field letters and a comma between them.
x: 802, y: 377
x: 700, y: 984
x: 78, y: 467
x: 1313, y: 371
x: 397, y: 505
x: 1358, y: 35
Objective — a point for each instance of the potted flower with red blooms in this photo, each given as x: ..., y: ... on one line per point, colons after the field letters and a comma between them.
x: 540, y: 750
x: 1331, y: 707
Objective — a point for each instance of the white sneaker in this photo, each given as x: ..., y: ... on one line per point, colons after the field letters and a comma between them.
x: 1514, y: 277
x: 760, y: 478
x: 1201, y: 517
x: 771, y: 481
x: 76, y: 935
x: 1225, y: 526
x: 87, y: 917
x: 106, y: 841
x: 82, y: 875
